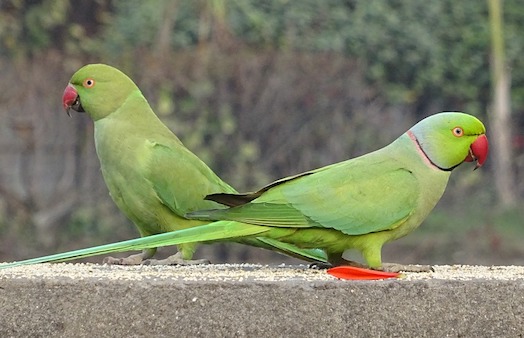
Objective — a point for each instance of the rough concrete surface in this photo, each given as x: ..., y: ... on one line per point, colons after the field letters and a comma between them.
x: 89, y: 300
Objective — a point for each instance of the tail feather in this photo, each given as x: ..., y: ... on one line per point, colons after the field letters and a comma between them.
x: 310, y: 255
x: 206, y: 215
x: 209, y: 232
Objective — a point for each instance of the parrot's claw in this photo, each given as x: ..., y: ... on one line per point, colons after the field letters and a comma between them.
x: 393, y: 267
x: 130, y: 260
x: 112, y: 261
x: 135, y: 259
x: 320, y: 265
x: 175, y: 259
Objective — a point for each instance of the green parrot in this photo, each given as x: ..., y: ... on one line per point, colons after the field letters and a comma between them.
x: 153, y: 179
x: 361, y: 203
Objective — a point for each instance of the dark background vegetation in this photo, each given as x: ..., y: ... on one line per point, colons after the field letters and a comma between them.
x: 259, y: 89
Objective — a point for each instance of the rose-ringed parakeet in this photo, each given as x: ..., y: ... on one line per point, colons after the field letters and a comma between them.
x: 151, y: 176
x: 361, y: 203
x: 365, y: 202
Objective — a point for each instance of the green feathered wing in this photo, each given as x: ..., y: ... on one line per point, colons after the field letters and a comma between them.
x: 181, y: 200
x: 355, y: 197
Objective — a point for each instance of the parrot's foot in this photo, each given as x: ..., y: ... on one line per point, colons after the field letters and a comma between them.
x: 393, y: 267
x: 175, y: 259
x: 136, y: 259
x: 320, y: 265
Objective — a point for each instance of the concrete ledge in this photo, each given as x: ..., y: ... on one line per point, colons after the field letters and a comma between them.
x: 87, y: 300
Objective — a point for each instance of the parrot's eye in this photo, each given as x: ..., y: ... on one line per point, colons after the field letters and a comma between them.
x: 88, y: 83
x: 458, y: 132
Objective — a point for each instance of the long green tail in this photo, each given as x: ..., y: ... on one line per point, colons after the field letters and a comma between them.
x: 210, y: 232
x: 310, y: 255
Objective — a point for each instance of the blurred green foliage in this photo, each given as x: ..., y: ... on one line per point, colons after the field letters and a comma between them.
x: 260, y: 89
x: 416, y: 52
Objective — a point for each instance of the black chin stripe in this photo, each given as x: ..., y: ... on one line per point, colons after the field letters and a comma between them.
x: 414, y: 138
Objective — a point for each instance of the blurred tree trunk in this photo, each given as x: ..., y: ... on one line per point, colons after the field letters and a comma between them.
x: 500, y: 111
x: 165, y: 29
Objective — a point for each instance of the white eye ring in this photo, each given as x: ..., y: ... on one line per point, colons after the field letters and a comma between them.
x: 457, y: 131
x: 89, y: 83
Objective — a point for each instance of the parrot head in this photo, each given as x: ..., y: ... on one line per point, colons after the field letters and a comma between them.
x: 97, y: 89
x: 449, y: 139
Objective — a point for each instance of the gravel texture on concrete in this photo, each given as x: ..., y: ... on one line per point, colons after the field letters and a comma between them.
x: 247, y: 300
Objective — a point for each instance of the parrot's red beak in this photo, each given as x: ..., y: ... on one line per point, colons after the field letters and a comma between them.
x: 69, y: 97
x: 478, y: 151
x: 71, y: 100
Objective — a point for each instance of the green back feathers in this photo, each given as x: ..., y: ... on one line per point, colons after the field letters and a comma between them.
x: 371, y: 193
x: 375, y: 192
x: 181, y: 180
